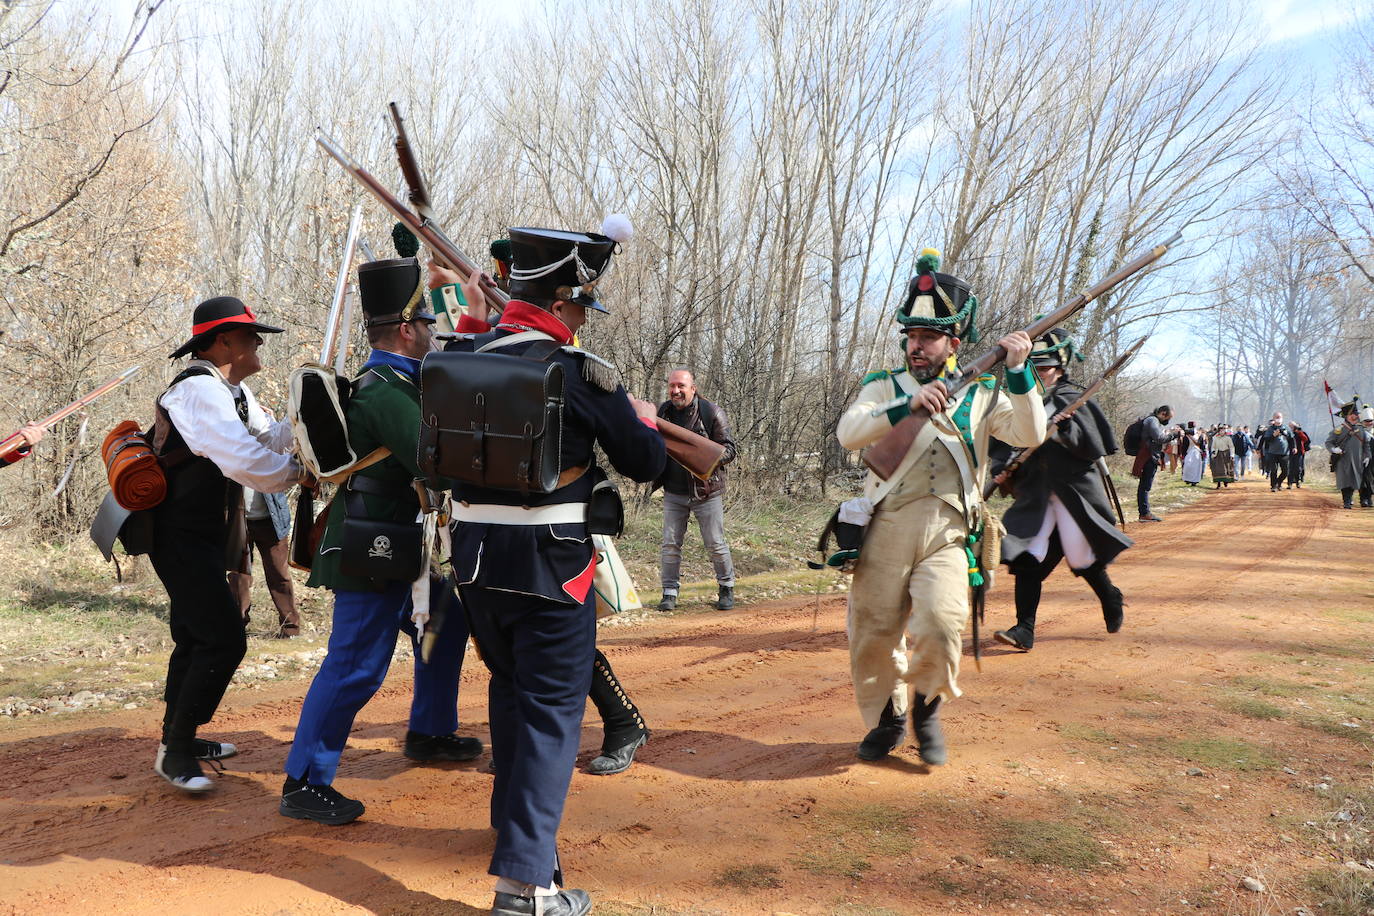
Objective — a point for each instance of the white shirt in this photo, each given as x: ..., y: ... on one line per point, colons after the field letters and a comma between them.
x: 202, y: 409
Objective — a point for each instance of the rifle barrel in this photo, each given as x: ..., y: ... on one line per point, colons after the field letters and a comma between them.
x: 16, y: 441
x: 331, y: 324
x: 1069, y: 410
x: 445, y: 251
x: 1039, y: 327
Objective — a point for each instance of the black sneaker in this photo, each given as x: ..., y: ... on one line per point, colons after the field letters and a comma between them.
x: 202, y: 750
x: 182, y: 771
x: 725, y: 597
x: 430, y: 748
x: 564, y: 903
x: 1017, y: 636
x: 324, y: 804
x: 668, y: 602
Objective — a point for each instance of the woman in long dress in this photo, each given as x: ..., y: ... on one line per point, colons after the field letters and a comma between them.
x: 1223, y: 458
x: 1196, y: 458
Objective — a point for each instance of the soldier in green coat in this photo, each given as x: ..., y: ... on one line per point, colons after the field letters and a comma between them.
x: 364, y: 557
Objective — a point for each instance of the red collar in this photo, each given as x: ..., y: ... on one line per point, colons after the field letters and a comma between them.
x: 523, y: 316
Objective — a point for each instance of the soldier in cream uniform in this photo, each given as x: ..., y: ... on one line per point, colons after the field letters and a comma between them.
x: 910, y: 597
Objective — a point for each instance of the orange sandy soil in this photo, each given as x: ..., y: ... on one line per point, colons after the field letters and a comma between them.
x: 1067, y: 788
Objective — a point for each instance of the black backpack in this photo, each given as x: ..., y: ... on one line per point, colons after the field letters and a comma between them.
x: 1131, y: 440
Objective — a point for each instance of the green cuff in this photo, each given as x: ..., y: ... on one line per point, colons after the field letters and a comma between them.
x: 1021, y: 381
x: 448, y: 299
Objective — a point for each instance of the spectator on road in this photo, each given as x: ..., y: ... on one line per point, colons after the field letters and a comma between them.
x: 1297, y: 461
x: 1223, y: 457
x: 1275, y: 443
x: 1245, y: 449
x: 685, y: 495
x: 1193, y: 445
x: 1153, y: 437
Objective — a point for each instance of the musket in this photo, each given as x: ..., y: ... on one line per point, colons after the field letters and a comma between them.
x: 333, y: 327
x: 301, y: 550
x: 884, y: 457
x: 445, y: 251
x: 698, y: 454
x: 16, y: 441
x: 418, y: 189
x: 1020, y: 457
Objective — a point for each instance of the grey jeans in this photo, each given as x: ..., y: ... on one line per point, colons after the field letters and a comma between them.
x: 710, y: 515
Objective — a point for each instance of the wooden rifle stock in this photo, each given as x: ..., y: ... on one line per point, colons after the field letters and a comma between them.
x: 1069, y: 410
x: 698, y: 454
x: 15, y: 441
x: 884, y: 456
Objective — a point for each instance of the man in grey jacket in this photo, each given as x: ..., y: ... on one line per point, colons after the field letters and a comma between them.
x: 1153, y: 436
x: 684, y: 495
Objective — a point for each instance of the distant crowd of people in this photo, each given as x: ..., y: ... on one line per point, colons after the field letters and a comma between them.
x: 1278, y: 450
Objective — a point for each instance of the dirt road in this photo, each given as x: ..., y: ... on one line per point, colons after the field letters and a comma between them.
x: 1147, y: 772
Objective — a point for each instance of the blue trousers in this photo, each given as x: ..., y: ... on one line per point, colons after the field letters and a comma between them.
x: 540, y: 656
x: 360, y: 648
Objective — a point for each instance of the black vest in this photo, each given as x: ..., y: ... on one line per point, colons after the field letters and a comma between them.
x: 200, y: 499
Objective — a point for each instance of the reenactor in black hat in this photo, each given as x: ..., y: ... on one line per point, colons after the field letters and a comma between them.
x: 1349, y: 445
x: 524, y: 562
x: 1062, y: 510
x: 213, y: 440
x: 361, y: 559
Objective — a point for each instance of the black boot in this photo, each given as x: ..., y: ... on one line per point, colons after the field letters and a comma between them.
x: 1107, y: 593
x: 883, y: 740
x: 1022, y: 636
x: 624, y: 728
x: 925, y: 723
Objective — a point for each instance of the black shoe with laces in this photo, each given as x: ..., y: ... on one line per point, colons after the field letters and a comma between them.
x: 432, y: 748
x: 324, y: 804
x: 563, y: 903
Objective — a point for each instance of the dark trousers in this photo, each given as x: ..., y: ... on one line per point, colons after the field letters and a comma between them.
x: 207, y: 631
x: 1142, y: 491
x: 1278, y: 470
x: 275, y: 552
x: 1297, y: 467
x: 540, y: 655
x: 361, y: 643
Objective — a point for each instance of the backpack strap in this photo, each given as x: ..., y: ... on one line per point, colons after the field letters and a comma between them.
x: 162, y: 424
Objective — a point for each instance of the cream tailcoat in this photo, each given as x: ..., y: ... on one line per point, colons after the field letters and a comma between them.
x: 910, y: 590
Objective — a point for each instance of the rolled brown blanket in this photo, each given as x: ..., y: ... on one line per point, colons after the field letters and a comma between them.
x: 136, y: 479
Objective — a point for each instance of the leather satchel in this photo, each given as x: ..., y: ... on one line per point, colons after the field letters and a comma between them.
x: 383, y: 550
x: 493, y: 420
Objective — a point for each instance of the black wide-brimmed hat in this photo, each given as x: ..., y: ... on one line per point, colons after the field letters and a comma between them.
x: 552, y: 264
x: 214, y: 316
x: 1055, y: 348
x: 391, y: 292
x: 940, y: 302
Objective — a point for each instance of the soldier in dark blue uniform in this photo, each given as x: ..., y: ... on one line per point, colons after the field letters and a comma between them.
x: 524, y: 566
